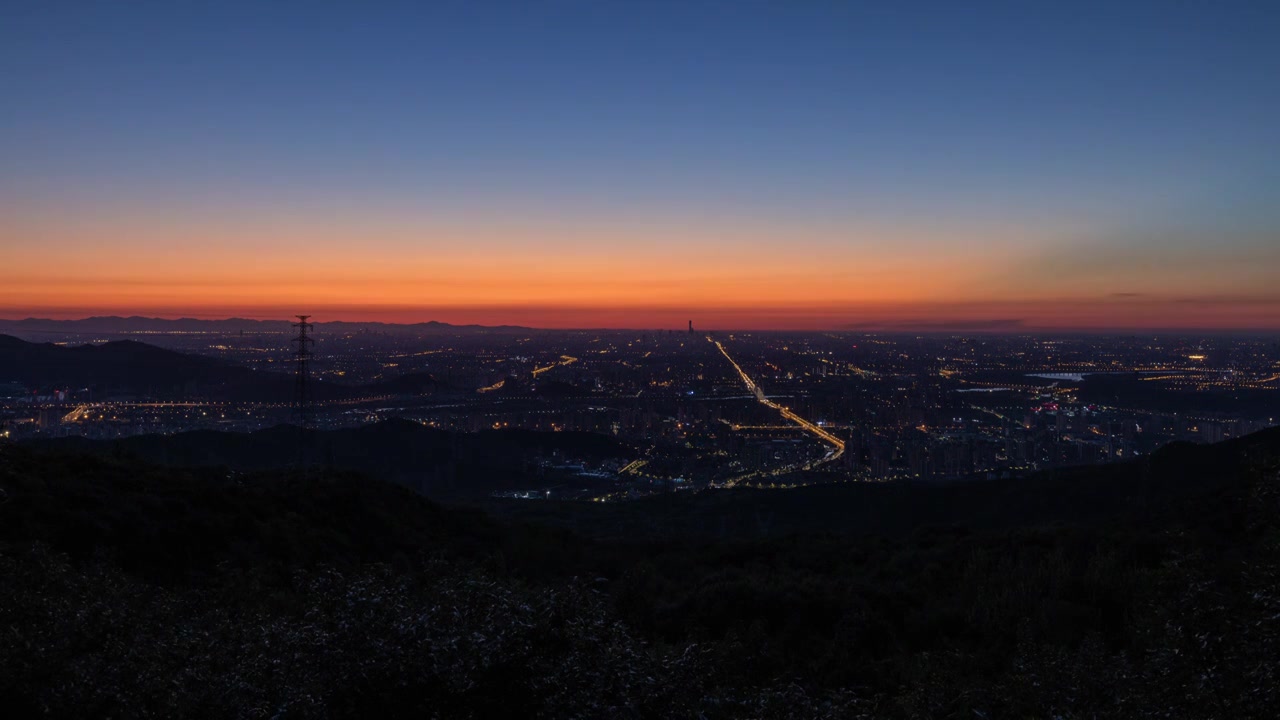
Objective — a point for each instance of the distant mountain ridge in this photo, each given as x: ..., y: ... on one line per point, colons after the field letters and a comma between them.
x: 140, y: 324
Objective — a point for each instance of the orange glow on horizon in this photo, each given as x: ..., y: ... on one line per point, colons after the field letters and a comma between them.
x: 615, y: 276
x: 909, y: 317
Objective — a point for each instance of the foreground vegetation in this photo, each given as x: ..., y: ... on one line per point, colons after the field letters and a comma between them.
x: 133, y: 590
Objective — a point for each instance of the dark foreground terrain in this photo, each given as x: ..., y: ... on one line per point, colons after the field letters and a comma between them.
x: 1141, y: 590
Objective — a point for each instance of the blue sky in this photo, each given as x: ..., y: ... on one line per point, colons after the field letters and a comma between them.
x: 837, y: 127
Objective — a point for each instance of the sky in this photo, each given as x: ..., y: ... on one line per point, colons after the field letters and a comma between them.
x: 741, y: 164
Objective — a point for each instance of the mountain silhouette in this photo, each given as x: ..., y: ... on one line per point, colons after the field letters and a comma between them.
x: 110, y: 324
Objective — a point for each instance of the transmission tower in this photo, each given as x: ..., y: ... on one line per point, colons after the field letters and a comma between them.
x: 302, y: 410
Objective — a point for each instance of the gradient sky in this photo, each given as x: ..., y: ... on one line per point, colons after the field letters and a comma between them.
x: 596, y: 163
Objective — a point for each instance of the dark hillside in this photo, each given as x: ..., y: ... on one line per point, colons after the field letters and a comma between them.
x: 436, y: 463
x: 118, y: 364
x: 1180, y: 479
x: 136, y: 590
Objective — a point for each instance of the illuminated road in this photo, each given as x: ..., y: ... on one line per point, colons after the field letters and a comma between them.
x: 81, y: 412
x: 564, y: 360
x: 633, y: 466
x: 85, y: 412
x: 837, y: 445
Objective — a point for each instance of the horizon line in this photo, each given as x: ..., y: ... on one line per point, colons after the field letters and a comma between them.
x: 933, y: 329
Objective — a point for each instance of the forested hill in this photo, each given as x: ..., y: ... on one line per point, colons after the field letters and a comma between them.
x: 129, y: 589
x: 437, y: 463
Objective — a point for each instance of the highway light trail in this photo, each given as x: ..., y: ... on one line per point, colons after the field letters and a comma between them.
x: 80, y: 413
x: 837, y: 445
x: 564, y: 360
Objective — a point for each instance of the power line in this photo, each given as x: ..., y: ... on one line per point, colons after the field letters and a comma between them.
x: 303, y: 411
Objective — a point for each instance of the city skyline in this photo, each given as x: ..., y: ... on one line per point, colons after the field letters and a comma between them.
x: 611, y: 165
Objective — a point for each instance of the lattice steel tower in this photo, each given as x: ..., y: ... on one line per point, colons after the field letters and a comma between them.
x: 302, y: 409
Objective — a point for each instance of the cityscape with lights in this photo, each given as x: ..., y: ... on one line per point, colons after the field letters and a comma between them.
x: 704, y: 410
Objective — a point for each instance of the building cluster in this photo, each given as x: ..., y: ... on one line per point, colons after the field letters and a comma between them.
x: 745, y: 409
